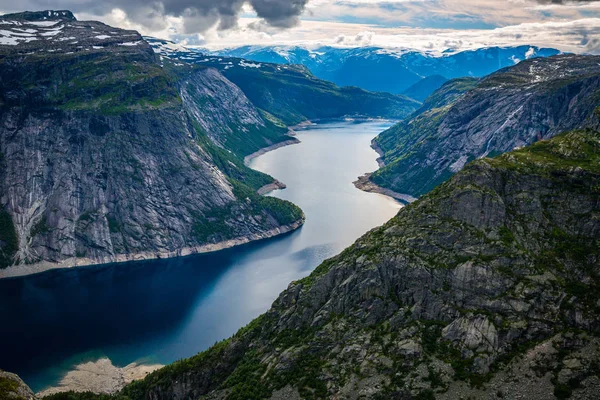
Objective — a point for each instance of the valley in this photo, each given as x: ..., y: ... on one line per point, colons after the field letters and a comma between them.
x: 298, y: 221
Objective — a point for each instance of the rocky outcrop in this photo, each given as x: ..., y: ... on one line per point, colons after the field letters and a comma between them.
x: 99, y: 376
x: 13, y: 388
x: 226, y: 115
x: 108, y: 156
x: 467, y: 119
x: 487, y: 287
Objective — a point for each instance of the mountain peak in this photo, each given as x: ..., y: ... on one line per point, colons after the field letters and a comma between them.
x: 42, y: 15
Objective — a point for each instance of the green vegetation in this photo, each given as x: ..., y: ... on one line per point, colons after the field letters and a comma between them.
x: 213, y: 224
x: 230, y: 164
x: 240, y: 138
x: 109, y: 83
x: 9, y: 243
x: 8, y: 389
x: 565, y: 152
x: 417, y: 135
x: 449, y: 93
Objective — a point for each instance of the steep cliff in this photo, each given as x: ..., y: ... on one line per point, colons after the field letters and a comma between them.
x: 467, y: 119
x: 290, y: 93
x: 107, y: 155
x: 487, y: 287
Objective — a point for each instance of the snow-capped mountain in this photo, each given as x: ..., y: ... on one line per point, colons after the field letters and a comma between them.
x: 396, y: 70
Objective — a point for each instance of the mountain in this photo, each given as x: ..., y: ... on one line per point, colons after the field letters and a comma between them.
x: 109, y: 154
x: 468, y: 118
x: 425, y: 87
x: 487, y: 287
x: 290, y: 93
x: 388, y: 70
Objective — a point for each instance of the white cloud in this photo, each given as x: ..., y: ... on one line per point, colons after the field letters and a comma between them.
x: 569, y: 36
x: 420, y: 24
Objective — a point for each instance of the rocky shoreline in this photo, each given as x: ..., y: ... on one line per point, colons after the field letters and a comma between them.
x: 30, y: 269
x: 276, y: 185
x: 99, y: 377
x: 379, y: 160
x: 364, y: 183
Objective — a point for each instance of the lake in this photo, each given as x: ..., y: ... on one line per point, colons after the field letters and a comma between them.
x: 159, y: 311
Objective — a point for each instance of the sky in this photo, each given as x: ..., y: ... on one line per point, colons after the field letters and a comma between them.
x: 428, y: 25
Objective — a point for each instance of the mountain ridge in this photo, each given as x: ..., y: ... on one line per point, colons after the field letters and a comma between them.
x: 469, y: 118
x: 397, y: 69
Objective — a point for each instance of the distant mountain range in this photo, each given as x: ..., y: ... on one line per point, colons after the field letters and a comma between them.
x: 291, y: 93
x: 386, y: 70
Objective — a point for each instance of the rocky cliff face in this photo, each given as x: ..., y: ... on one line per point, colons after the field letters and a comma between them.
x: 467, y: 119
x: 488, y: 287
x: 107, y: 155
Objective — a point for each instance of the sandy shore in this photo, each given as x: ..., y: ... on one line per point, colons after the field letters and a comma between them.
x: 363, y: 183
x: 29, y: 269
x: 100, y: 377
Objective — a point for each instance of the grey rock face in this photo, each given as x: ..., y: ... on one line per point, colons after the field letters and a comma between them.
x: 103, y: 160
x: 534, y: 100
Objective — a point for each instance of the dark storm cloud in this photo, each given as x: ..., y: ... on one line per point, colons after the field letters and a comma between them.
x: 198, y: 15
x: 570, y: 2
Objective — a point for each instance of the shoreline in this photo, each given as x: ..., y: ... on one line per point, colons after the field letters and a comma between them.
x: 364, y: 183
x: 32, y: 269
x: 378, y: 150
x: 292, y: 140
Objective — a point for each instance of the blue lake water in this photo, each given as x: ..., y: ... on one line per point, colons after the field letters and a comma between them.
x: 163, y: 310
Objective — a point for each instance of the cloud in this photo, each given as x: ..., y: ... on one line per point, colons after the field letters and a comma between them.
x: 576, y: 36
x: 420, y: 24
x: 563, y: 2
x: 196, y: 15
